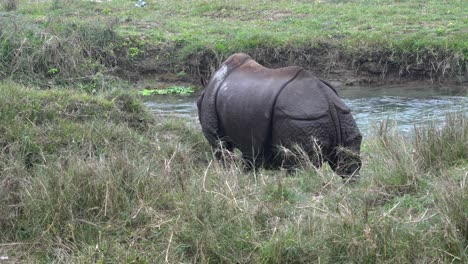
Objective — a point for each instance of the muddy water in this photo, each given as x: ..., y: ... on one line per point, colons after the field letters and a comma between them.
x: 405, y: 105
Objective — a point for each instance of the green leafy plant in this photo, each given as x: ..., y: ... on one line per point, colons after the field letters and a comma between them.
x: 53, y: 71
x: 106, y: 11
x: 134, y: 52
x: 179, y: 90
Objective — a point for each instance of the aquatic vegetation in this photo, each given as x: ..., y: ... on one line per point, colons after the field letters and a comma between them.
x: 178, y: 90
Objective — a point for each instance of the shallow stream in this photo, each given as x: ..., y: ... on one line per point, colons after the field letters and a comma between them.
x: 405, y: 105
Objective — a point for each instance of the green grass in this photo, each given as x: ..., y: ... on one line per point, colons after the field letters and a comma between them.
x: 98, y: 179
x: 431, y: 138
x: 402, y: 37
x: 87, y: 174
x: 208, y: 22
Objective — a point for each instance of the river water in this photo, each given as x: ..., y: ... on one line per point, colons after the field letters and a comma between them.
x: 406, y: 106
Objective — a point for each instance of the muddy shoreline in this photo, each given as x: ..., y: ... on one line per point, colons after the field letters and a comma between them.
x: 340, y: 79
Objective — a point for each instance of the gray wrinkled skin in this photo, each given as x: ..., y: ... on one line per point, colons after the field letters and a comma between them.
x: 264, y: 111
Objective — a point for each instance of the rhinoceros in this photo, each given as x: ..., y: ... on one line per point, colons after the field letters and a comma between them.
x: 263, y: 111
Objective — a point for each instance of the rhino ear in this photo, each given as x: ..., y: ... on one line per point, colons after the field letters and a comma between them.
x: 203, y: 82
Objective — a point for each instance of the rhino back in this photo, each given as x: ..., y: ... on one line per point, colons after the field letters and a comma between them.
x: 245, y: 103
x: 302, y: 111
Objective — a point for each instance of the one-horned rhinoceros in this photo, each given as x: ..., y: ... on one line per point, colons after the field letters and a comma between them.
x: 264, y: 111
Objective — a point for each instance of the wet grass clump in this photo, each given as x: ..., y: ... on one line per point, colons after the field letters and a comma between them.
x: 97, y: 179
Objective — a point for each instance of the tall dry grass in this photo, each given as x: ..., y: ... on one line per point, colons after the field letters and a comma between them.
x: 438, y: 147
x: 10, y: 5
x: 49, y: 53
x: 97, y: 179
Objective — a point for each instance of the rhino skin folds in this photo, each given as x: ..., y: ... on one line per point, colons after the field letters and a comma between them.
x: 262, y: 111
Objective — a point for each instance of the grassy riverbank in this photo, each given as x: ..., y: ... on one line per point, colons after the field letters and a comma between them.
x: 87, y: 174
x: 374, y: 40
x: 98, y: 179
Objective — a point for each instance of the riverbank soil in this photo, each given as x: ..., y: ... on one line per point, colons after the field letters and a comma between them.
x: 336, y: 68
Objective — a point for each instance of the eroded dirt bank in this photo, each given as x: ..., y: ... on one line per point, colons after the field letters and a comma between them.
x: 331, y: 63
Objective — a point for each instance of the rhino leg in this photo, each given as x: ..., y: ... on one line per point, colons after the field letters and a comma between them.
x: 223, y: 150
x: 345, y: 160
x: 301, y: 142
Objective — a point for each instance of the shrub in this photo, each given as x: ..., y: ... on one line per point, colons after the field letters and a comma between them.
x: 55, y: 54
